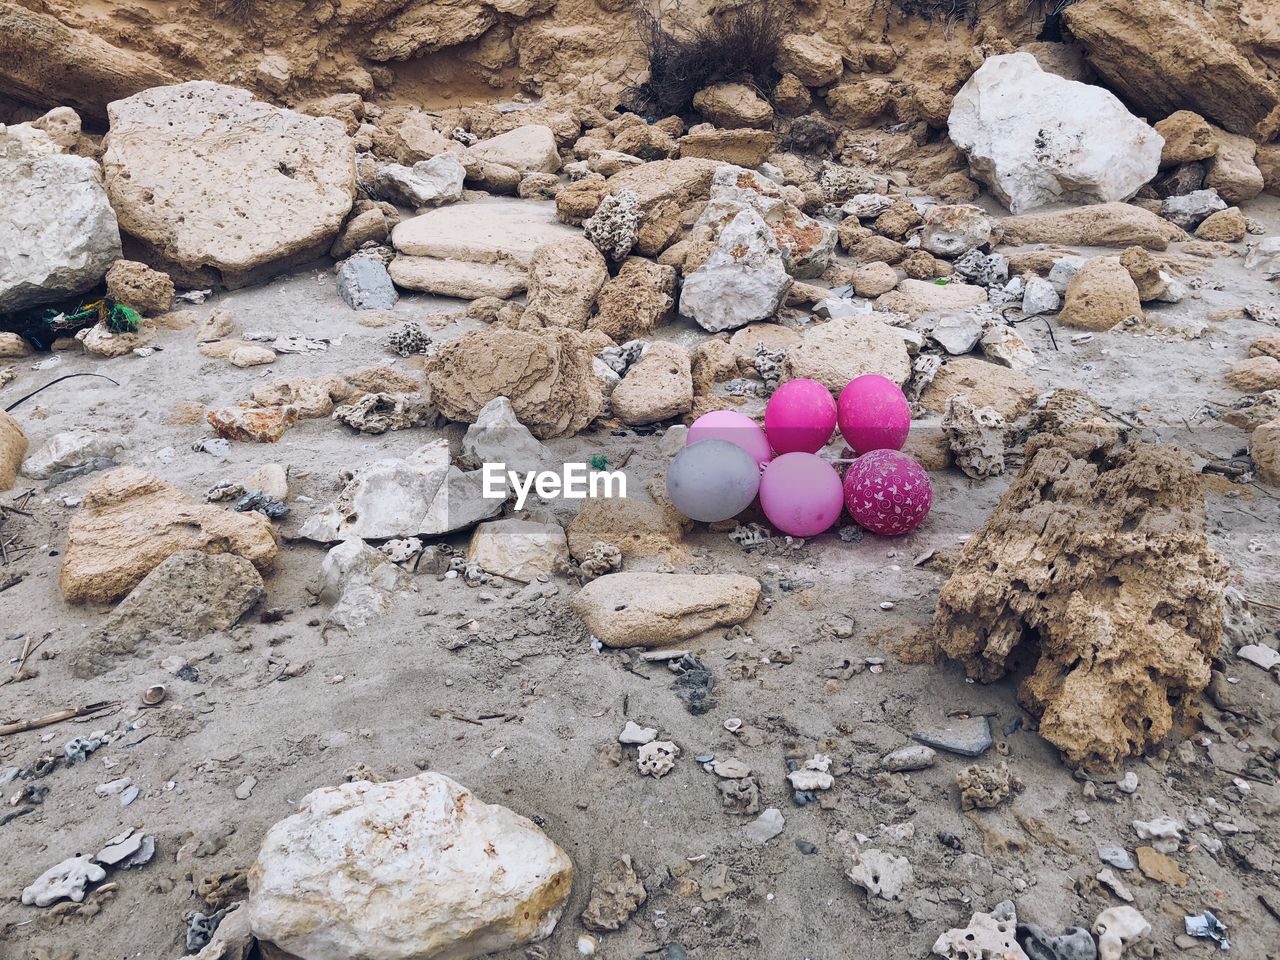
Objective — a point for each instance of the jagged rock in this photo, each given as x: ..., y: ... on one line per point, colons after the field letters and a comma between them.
x: 811, y: 59
x: 957, y: 332
x: 1112, y: 665
x: 520, y: 550
x: 991, y: 935
x: 744, y: 279
x: 733, y: 105
x: 1188, y: 137
x: 527, y: 149
x: 137, y: 285
x: 1039, y: 296
x: 658, y: 387
x: 452, y: 876
x: 1163, y: 56
x: 880, y: 874
x: 1232, y: 171
x: 835, y: 352
x: 546, y: 374
x: 313, y: 397
x: 631, y: 304
x: 68, y: 449
x: 654, y: 609
x: 58, y: 233
x: 1265, y: 258
x: 498, y: 436
x: 1100, y: 295
x: 1003, y: 344
x: 360, y: 583
x: 1036, y: 138
x: 1189, y: 209
x: 65, y: 880
x: 564, y: 279
x: 420, y: 495
x: 682, y: 182
x: 364, y: 284
x: 428, y: 183
x: 187, y: 596
x: 1074, y: 943
x: 224, y: 187
x: 1100, y: 225
x: 376, y: 413
x: 248, y: 423
x: 975, y: 436
x: 950, y: 230
x: 615, y: 225
x: 615, y: 895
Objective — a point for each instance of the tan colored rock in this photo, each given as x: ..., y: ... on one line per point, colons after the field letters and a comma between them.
x: 547, y: 375
x: 219, y: 325
x: 791, y: 97
x: 1100, y: 295
x: 1268, y: 161
x: 1161, y: 56
x: 1074, y: 572
x: 577, y: 201
x: 772, y: 336
x: 1255, y: 374
x: 811, y: 59
x: 224, y: 187
x: 870, y: 249
x: 860, y: 103
x: 252, y: 424
x: 1264, y: 451
x: 898, y: 220
x: 370, y: 225
x: 527, y: 149
x: 984, y: 384
x: 13, y: 346
x: 658, y: 387
x: 654, y: 609
x: 646, y: 141
x: 312, y: 397
x: 382, y: 380
x: 1225, y: 226
x: 835, y: 352
x: 640, y: 529
x: 564, y: 278
x: 13, y: 448
x: 874, y: 279
x: 683, y: 182
x: 743, y: 147
x: 463, y: 279
x: 1098, y: 225
x: 712, y: 361
x: 1144, y: 270
x: 918, y: 297
x: 131, y: 521
x: 660, y: 227
x: 1268, y: 346
x: 1187, y: 137
x: 632, y: 304
x: 733, y: 105
x: 519, y: 550
x: 137, y: 285
x: 240, y: 353
x: 1232, y: 171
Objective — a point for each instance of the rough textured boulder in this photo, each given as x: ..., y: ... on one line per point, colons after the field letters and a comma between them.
x: 744, y: 279
x: 983, y: 384
x: 639, y: 529
x: 222, y: 187
x: 58, y: 233
x: 546, y: 374
x: 564, y: 279
x: 1036, y: 138
x: 1232, y: 171
x: 1094, y: 567
x: 136, y: 284
x: 452, y: 877
x: 733, y: 105
x: 631, y: 304
x: 519, y: 550
x: 918, y: 297
x: 189, y: 595
x: 652, y: 609
x: 836, y: 352
x: 657, y: 387
x: 46, y: 63
x: 1104, y: 225
x: 1188, y: 137
x: 812, y: 60
x: 1166, y: 55
x: 683, y: 181
x: 1100, y: 295
x: 132, y: 521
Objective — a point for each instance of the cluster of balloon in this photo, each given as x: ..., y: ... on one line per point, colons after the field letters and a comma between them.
x: 728, y: 460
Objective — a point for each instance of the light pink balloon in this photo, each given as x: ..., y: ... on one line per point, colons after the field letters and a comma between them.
x: 873, y: 414
x: 886, y: 492
x: 735, y: 427
x: 799, y: 417
x: 800, y: 494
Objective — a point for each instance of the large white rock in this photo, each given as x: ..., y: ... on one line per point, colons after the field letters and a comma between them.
x: 744, y: 279
x: 1036, y: 138
x: 220, y: 186
x: 58, y: 233
x: 503, y: 232
x: 415, y: 869
x: 528, y: 149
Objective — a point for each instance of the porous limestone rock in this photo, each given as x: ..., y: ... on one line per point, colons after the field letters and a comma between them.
x: 1100, y: 295
x: 1189, y: 209
x: 835, y: 352
x: 70, y: 448
x: 519, y: 550
x: 1188, y: 137
x: 313, y: 397
x: 1264, y: 451
x: 873, y: 279
x: 527, y: 149
x: 249, y: 423
x: 188, y: 595
x: 991, y: 935
x: 975, y: 436
x: 615, y: 225
x: 223, y: 187
x: 733, y: 105
x: 131, y: 521
x: 458, y: 278
x: 13, y: 447
x: 658, y: 387
x: 546, y: 374
x: 742, y: 147
x: 880, y: 874
x: 683, y: 182
x: 138, y: 286
x: 1100, y: 225
x: 564, y: 279
x: 1232, y: 171
x: 1255, y: 374
x: 1036, y: 138
x: 58, y: 233
x: 950, y: 230
x: 453, y: 877
x: 636, y: 527
x: 631, y: 304
x: 653, y: 609
x: 616, y: 893
x: 915, y: 298
x: 984, y: 384
x: 1094, y: 568
x: 742, y: 281
x: 1225, y: 226
x: 1118, y: 928
x: 65, y: 880
x: 810, y: 59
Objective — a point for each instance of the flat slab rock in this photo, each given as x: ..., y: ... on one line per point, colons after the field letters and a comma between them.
x: 505, y: 232
x: 447, y: 277
x: 653, y: 609
x: 968, y: 738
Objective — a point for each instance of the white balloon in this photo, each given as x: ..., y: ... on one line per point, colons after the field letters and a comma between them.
x: 712, y: 480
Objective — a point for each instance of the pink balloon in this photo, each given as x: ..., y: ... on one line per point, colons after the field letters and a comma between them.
x: 873, y: 414
x: 799, y: 417
x: 800, y: 494
x: 887, y: 492
x: 735, y: 427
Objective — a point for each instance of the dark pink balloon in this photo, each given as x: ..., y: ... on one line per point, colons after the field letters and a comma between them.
x: 873, y: 414
x: 799, y: 417
x: 887, y: 492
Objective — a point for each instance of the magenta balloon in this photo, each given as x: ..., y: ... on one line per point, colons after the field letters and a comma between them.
x: 887, y: 492
x: 799, y: 417
x: 735, y: 427
x: 873, y: 414
x: 800, y: 494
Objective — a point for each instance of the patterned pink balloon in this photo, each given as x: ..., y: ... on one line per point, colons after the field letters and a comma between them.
x: 887, y: 492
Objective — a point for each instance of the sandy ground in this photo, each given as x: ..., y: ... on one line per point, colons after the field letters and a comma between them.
x: 527, y: 657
